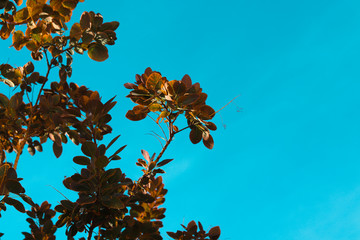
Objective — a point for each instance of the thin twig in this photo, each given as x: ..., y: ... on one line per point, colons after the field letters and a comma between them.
x: 159, y: 126
x: 157, y: 138
x: 225, y: 105
x: 59, y: 192
x: 47, y: 75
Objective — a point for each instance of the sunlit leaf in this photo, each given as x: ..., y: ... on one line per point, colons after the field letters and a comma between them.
x: 22, y: 15
x: 7, y: 82
x: 154, y: 107
x: 209, y: 142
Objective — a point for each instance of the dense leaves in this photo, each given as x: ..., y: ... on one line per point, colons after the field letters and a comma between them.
x: 109, y: 205
x: 154, y: 93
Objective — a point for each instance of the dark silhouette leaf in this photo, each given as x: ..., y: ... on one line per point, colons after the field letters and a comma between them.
x: 57, y: 149
x: 14, y: 186
x: 164, y: 162
x: 15, y: 203
x: 81, y: 160
x: 214, y: 233
x: 89, y: 148
x: 195, y: 135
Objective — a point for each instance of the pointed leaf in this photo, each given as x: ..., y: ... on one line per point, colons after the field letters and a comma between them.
x: 57, y: 149
x: 112, y: 142
x: 164, y: 162
x: 14, y: 186
x: 209, y: 143
x: 15, y: 203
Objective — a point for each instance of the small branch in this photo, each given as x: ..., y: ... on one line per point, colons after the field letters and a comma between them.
x: 91, y: 229
x: 171, y: 136
x: 159, y: 126
x: 47, y: 77
x: 226, y: 105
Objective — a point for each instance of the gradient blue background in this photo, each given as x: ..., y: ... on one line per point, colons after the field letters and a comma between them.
x: 286, y: 163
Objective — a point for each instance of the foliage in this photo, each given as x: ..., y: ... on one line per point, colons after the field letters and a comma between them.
x: 109, y: 204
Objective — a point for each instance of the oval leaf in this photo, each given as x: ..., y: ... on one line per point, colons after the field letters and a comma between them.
x: 81, y: 160
x: 89, y: 148
x: 98, y: 52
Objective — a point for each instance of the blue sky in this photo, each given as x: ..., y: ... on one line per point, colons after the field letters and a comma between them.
x: 286, y: 166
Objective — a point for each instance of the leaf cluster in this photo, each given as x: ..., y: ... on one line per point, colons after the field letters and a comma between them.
x: 154, y: 93
x: 109, y: 205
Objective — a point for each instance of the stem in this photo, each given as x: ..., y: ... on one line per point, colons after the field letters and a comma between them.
x: 171, y: 136
x: 91, y: 229
x: 47, y: 76
x: 20, y: 149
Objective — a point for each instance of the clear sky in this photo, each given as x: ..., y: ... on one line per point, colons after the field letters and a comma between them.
x: 286, y: 160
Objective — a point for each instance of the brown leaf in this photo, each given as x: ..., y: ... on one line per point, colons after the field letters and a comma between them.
x: 214, y: 233
x: 209, y: 143
x: 81, y: 160
x: 57, y: 149
x: 187, y: 81
x: 89, y: 148
x: 85, y: 21
x: 195, y: 135
x: 15, y: 203
x: 98, y: 52
x: 14, y: 186
x: 75, y: 31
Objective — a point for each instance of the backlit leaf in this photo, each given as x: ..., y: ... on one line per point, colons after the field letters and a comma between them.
x: 154, y: 81
x: 22, y: 15
x: 75, y: 31
x: 98, y: 52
